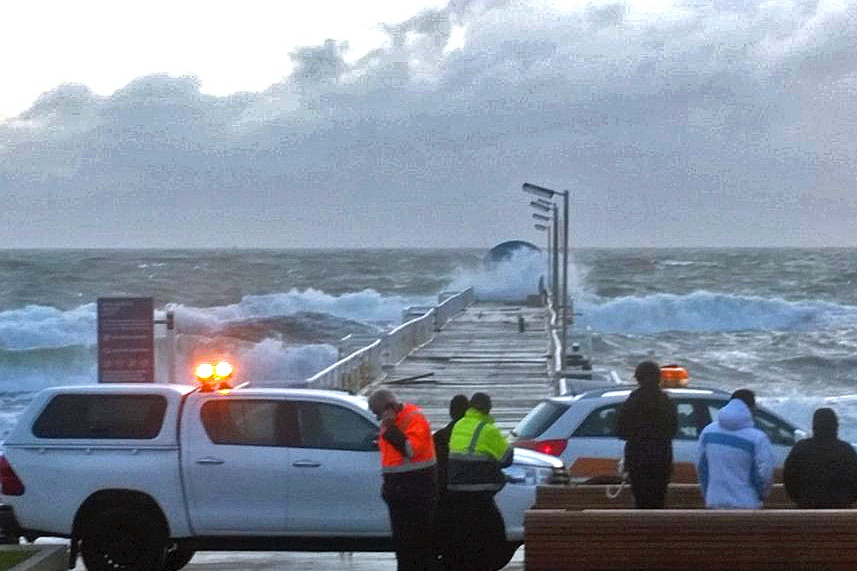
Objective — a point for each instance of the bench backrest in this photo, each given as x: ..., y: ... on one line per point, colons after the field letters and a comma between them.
x: 679, y: 496
x: 708, y: 540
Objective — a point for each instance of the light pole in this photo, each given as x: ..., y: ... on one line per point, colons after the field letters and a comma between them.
x: 553, y: 260
x: 547, y: 229
x: 547, y: 224
x: 548, y: 195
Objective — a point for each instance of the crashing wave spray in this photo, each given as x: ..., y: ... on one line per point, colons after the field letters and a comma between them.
x: 281, y: 336
x: 514, y: 277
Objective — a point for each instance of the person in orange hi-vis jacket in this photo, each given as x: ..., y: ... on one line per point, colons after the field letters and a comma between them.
x: 408, y: 463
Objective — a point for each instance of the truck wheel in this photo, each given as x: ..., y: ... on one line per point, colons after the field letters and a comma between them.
x: 178, y: 555
x: 504, y: 554
x: 124, y: 539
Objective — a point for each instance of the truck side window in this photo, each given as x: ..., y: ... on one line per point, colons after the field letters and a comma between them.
x: 247, y: 422
x: 330, y: 426
x: 101, y: 416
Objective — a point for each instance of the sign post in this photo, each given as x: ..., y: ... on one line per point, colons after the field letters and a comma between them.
x: 126, y: 340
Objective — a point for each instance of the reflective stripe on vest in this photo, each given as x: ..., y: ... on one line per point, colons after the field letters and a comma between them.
x: 472, y: 472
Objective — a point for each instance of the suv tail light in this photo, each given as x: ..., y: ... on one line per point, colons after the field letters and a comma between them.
x: 552, y: 447
x: 10, y: 483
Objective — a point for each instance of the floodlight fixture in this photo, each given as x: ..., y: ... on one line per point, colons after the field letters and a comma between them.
x: 539, y: 191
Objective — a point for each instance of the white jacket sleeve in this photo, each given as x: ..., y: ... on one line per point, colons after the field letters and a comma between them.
x: 702, y: 464
x: 764, y: 466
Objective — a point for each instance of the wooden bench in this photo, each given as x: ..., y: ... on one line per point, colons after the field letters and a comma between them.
x: 705, y: 540
x: 679, y: 496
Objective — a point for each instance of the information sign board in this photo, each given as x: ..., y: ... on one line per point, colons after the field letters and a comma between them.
x: 126, y: 340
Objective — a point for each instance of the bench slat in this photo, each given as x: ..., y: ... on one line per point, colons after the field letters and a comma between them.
x: 708, y: 540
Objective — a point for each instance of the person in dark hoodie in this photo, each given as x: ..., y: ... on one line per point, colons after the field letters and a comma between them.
x: 648, y: 422
x: 444, y: 517
x: 457, y: 407
x: 821, y: 472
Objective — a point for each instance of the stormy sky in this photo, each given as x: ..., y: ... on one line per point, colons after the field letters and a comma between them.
x: 671, y: 123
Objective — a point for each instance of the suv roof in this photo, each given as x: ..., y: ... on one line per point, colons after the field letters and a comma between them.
x: 617, y: 390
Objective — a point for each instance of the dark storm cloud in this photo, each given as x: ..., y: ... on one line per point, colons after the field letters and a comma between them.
x: 716, y: 123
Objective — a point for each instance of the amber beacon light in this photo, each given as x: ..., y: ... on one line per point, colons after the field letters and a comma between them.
x: 674, y: 376
x: 208, y: 373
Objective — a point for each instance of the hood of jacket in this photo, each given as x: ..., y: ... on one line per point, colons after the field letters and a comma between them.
x: 825, y: 425
x: 735, y: 415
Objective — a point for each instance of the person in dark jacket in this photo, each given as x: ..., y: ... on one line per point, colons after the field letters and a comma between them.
x: 444, y: 519
x: 457, y: 407
x: 821, y: 472
x: 648, y: 422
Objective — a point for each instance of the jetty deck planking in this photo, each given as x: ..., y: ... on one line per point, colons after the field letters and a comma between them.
x: 481, y: 349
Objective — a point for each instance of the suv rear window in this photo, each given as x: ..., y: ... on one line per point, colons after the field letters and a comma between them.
x: 102, y: 417
x: 539, y: 419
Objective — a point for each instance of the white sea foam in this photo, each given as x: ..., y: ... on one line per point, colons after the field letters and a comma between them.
x: 269, y: 360
x: 366, y: 305
x: 37, y: 326
x: 46, y: 346
x: 40, y: 326
x: 704, y: 311
x: 799, y: 410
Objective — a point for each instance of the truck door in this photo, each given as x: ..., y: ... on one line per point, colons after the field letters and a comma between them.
x: 334, y: 473
x: 235, y: 465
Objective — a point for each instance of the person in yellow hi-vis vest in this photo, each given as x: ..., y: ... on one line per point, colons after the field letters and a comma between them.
x: 477, y: 454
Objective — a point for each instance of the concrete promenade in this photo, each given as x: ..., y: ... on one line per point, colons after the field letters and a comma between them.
x: 264, y: 561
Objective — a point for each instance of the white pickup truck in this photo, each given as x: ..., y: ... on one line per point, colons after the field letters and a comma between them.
x: 139, y: 477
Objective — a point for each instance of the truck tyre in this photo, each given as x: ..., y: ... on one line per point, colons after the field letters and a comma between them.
x: 178, y: 555
x: 504, y: 554
x: 124, y: 539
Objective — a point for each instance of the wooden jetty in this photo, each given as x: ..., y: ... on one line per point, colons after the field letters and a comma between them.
x: 500, y: 349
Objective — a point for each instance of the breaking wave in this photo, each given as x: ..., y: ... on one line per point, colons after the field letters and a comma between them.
x: 277, y: 337
x: 308, y: 315
x: 703, y: 311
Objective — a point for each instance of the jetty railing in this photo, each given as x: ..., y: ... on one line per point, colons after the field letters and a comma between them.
x: 360, y: 368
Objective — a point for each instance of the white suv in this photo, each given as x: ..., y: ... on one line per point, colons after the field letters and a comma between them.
x: 579, y: 430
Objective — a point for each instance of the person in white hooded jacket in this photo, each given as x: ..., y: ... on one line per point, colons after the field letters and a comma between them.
x: 736, y: 461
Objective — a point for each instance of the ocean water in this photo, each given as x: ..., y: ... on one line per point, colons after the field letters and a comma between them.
x: 780, y: 321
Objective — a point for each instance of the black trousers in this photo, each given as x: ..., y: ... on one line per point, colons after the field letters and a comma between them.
x: 444, y: 524
x: 650, y: 488
x: 649, y: 465
x: 410, y: 498
x: 477, y: 535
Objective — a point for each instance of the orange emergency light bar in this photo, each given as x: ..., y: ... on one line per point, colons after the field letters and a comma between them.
x: 210, y: 373
x: 674, y: 376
